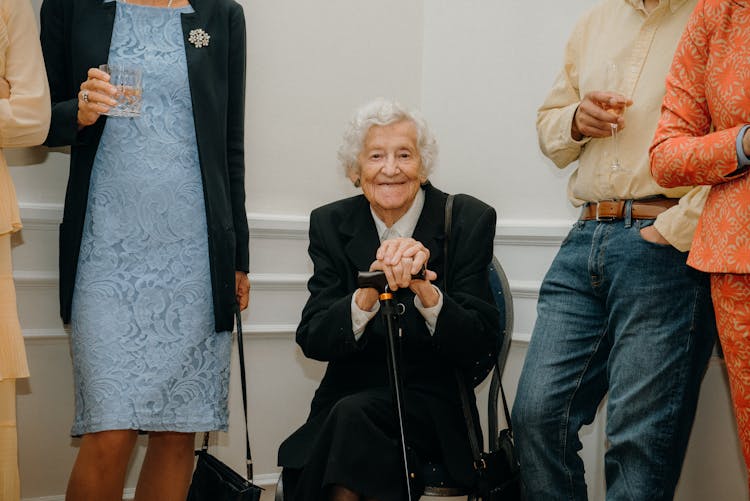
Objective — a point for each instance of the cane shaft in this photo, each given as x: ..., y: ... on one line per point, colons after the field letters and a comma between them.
x: 390, y: 316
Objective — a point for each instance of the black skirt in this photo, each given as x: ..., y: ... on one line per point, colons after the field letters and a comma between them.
x: 355, y: 444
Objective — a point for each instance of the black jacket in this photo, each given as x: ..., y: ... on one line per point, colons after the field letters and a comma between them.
x: 343, y: 240
x: 75, y: 36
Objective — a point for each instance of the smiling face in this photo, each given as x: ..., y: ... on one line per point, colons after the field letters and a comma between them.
x: 390, y: 169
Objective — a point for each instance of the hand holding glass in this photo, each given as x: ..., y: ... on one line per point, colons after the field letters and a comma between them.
x: 128, y: 80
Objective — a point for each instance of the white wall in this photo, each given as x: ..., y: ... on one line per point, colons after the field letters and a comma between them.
x: 478, y: 69
x: 487, y: 67
x: 309, y: 65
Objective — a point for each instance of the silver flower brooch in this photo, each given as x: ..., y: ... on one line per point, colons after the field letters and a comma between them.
x: 199, y: 38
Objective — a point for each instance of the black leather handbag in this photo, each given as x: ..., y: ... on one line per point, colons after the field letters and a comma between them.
x: 214, y: 480
x: 497, y: 471
x: 498, y: 474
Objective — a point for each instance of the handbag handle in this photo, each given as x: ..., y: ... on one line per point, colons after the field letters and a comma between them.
x: 243, y: 380
x: 476, y: 449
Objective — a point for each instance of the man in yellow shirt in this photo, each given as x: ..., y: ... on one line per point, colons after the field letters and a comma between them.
x: 619, y: 311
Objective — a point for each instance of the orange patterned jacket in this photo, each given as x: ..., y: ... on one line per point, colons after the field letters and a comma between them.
x: 706, y: 104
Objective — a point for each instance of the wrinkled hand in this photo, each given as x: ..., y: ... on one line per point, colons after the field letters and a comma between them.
x: 241, y: 289
x: 366, y: 298
x: 4, y: 89
x: 95, y: 97
x: 591, y: 118
x: 651, y: 234
x: 399, y: 259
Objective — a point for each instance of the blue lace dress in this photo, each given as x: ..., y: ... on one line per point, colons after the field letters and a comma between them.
x: 145, y: 353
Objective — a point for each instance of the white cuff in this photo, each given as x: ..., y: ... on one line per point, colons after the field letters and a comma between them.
x: 360, y: 317
x: 430, y: 314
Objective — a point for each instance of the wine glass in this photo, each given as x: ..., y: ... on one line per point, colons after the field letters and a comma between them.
x: 613, y: 83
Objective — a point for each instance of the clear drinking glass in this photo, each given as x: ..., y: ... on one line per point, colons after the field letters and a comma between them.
x: 128, y: 80
x: 614, y: 83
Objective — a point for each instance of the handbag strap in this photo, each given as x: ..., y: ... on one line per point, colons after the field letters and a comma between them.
x: 446, y: 240
x: 463, y: 390
x: 243, y: 380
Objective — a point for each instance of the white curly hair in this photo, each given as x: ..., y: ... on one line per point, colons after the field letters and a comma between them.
x: 381, y: 112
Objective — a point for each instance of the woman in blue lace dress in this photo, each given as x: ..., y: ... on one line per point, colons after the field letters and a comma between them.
x: 153, y: 243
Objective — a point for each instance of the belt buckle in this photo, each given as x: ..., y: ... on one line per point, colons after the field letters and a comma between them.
x: 600, y: 218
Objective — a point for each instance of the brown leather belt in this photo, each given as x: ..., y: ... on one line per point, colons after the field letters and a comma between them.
x: 611, y: 210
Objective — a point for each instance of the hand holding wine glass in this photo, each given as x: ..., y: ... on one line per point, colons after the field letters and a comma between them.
x: 592, y: 120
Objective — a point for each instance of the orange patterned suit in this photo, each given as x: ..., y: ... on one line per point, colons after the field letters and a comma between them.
x: 706, y: 104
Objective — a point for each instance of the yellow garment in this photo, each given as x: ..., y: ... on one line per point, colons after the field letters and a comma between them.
x: 12, y: 351
x: 641, y: 45
x: 10, y: 489
x: 24, y: 118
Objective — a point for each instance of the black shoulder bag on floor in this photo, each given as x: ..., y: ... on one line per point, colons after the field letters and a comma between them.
x: 212, y: 479
x: 497, y: 472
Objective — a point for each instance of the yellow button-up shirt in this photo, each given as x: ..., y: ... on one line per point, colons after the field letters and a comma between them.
x: 641, y: 46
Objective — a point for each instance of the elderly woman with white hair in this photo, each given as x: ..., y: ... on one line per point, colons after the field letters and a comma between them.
x: 348, y: 448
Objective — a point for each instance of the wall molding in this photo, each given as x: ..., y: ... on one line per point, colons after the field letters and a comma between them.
x: 28, y: 279
x: 250, y: 331
x: 533, y: 232
x: 261, y: 282
x: 280, y: 226
x: 41, y: 216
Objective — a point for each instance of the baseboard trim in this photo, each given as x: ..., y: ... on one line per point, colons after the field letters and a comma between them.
x: 265, y: 480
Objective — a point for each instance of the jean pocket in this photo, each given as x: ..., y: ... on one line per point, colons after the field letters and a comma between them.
x: 575, y: 228
x: 640, y: 225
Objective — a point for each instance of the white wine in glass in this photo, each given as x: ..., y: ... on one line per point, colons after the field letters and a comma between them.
x: 614, y: 106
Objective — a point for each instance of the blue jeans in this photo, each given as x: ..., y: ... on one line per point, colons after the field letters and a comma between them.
x: 620, y: 315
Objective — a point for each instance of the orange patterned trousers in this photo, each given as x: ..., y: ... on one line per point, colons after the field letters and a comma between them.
x: 731, y: 298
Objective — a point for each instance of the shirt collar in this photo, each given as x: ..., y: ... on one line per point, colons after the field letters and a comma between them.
x: 406, y: 224
x: 673, y: 4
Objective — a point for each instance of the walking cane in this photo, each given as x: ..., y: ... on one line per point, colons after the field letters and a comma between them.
x: 389, y: 312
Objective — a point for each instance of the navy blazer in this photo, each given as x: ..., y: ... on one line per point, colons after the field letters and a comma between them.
x: 343, y: 240
x: 76, y: 36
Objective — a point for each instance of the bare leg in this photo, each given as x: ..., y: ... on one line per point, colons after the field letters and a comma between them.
x: 341, y: 493
x: 167, y: 468
x: 99, y: 471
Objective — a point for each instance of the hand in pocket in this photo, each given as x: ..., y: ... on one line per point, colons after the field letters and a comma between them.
x: 651, y: 234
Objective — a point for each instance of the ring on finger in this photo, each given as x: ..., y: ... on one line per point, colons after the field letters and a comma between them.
x: 85, y: 96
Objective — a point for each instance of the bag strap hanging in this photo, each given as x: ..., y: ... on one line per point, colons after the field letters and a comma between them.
x: 476, y: 450
x: 446, y: 240
x: 463, y: 391
x: 243, y: 380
